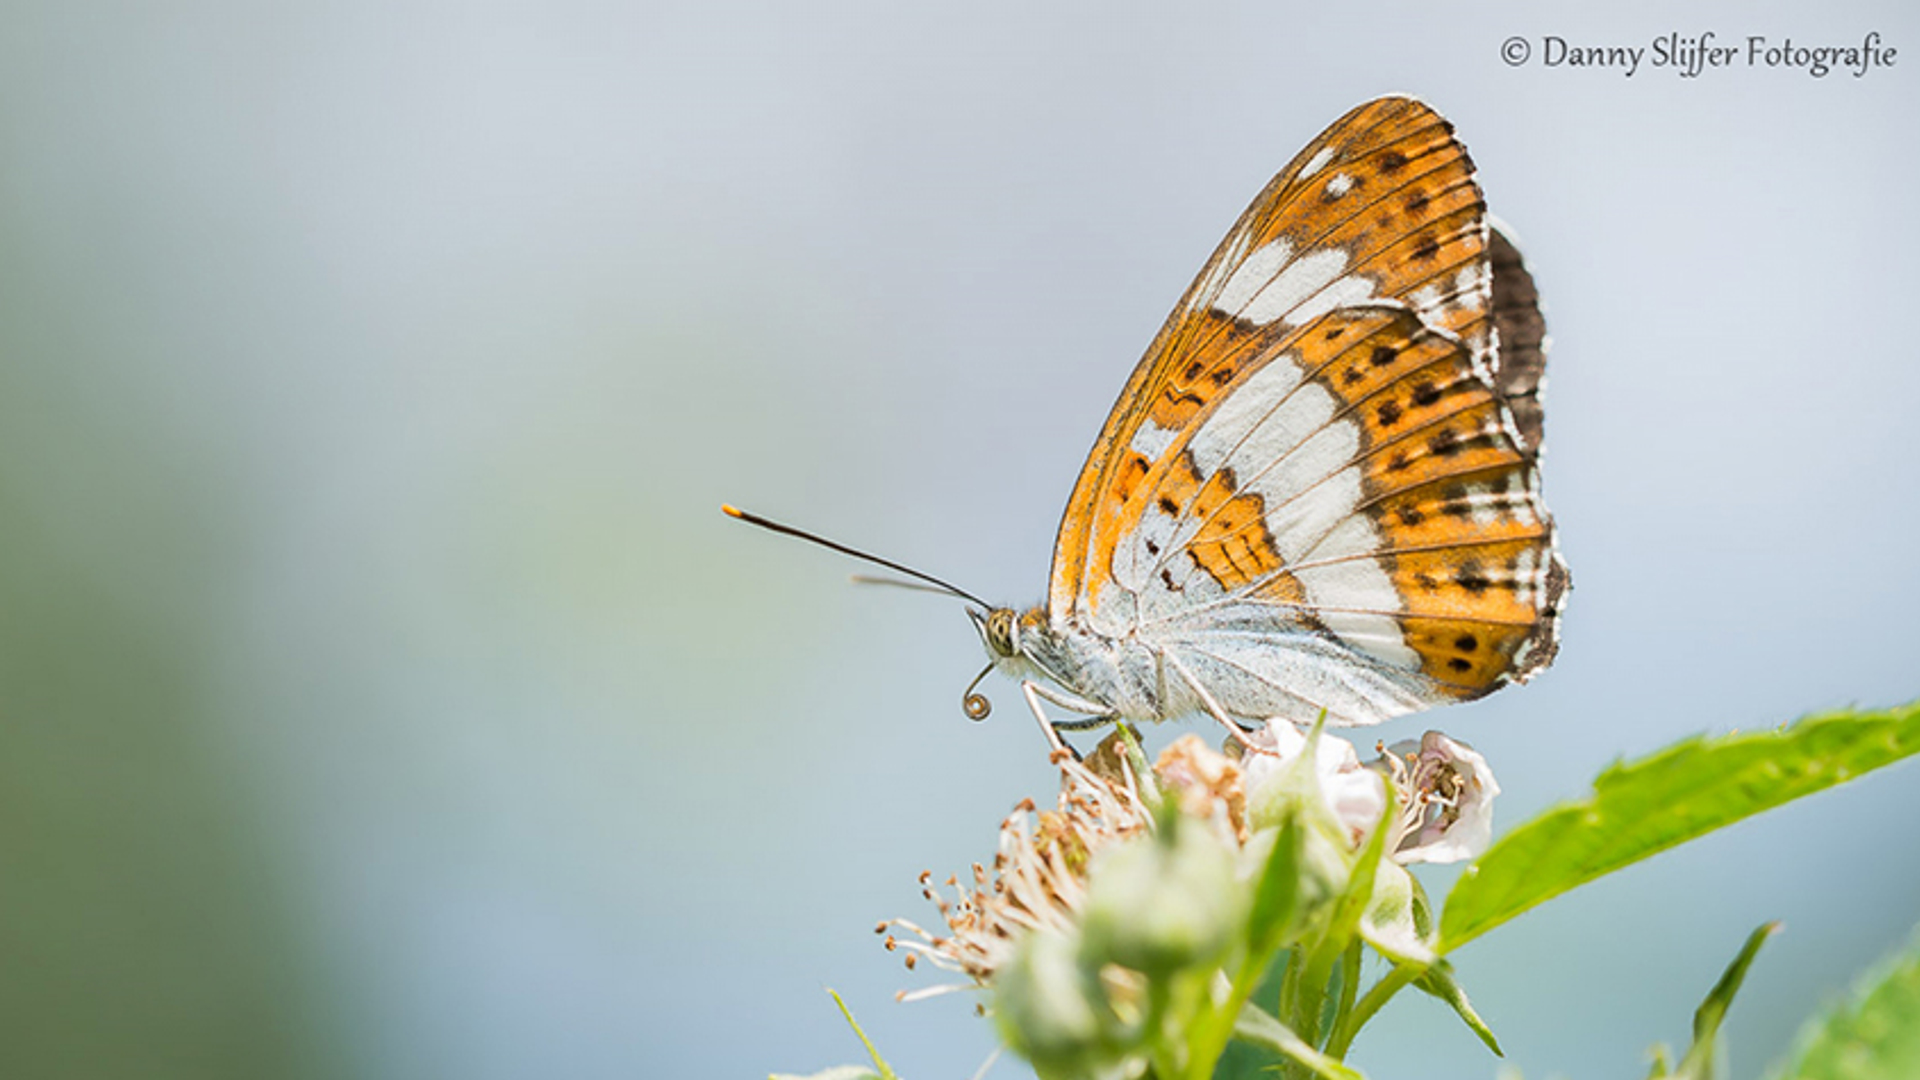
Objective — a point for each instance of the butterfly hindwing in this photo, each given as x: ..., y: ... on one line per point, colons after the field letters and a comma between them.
x: 1520, y: 365
x: 1380, y: 497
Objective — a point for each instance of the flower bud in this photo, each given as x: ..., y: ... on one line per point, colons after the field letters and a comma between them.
x: 1047, y: 1005
x: 1164, y: 902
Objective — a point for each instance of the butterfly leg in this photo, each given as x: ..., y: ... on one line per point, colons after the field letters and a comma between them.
x: 1213, y: 707
x: 1052, y: 728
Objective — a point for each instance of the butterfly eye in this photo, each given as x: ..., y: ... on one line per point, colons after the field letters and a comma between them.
x: 1000, y: 632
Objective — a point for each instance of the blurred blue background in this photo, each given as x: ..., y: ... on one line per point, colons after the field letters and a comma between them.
x: 383, y: 695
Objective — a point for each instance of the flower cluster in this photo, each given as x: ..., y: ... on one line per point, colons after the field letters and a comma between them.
x: 1149, y: 902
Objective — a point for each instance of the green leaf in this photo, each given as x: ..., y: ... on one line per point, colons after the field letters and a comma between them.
x: 1874, y: 1036
x: 1641, y: 808
x: 1699, y: 1062
x: 1438, y: 980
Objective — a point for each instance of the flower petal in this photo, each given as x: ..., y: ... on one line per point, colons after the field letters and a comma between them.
x: 1451, y: 792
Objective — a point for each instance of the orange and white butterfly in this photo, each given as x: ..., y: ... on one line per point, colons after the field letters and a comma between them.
x: 1319, y: 488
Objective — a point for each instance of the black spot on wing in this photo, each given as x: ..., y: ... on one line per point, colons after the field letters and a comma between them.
x: 1470, y: 577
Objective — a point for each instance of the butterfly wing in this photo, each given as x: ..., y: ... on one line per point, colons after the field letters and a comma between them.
x: 1326, y: 446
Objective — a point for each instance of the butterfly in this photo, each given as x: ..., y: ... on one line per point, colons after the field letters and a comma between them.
x: 1319, y: 490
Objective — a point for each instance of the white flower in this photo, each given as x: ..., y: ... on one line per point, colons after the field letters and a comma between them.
x: 1446, y: 799
x: 1443, y: 788
x: 1354, y: 794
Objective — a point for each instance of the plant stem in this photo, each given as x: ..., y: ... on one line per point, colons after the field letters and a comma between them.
x: 1310, y: 1003
x: 1290, y: 983
x: 1260, y: 1029
x: 1159, y: 996
x: 1349, y: 989
x: 1377, y: 995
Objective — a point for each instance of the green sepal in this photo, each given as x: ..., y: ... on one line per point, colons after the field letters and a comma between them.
x: 1276, y: 892
x: 1392, y: 921
x: 1359, y: 896
x: 1439, y: 982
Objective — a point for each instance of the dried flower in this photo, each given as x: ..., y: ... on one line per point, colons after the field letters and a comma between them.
x: 1039, y: 876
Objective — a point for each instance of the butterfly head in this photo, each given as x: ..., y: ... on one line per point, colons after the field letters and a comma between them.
x: 999, y: 631
x: 1009, y: 636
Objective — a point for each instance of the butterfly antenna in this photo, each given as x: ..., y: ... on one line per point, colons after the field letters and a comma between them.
x: 802, y: 534
x: 911, y: 586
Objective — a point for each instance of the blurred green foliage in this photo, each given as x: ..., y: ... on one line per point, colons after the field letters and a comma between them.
x: 143, y: 929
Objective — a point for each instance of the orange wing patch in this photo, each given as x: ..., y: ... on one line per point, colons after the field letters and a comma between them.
x: 1468, y: 658
x: 1489, y: 505
x: 1468, y: 440
x: 1234, y: 547
x: 1478, y: 611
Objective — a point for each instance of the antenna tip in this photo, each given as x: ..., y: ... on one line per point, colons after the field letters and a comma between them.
x: 731, y: 510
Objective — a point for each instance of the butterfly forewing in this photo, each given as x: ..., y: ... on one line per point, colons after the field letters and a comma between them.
x: 1323, y: 440
x: 1342, y: 223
